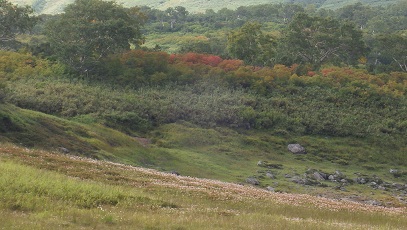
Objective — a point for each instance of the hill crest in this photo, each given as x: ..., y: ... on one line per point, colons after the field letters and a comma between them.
x: 57, y: 6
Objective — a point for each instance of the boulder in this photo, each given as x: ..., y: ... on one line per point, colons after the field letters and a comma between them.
x: 318, y: 176
x: 252, y: 180
x: 339, y: 174
x: 296, y: 149
x: 298, y: 180
x: 361, y: 180
x: 271, y: 189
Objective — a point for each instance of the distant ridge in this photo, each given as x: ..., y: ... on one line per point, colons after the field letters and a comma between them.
x: 57, y: 6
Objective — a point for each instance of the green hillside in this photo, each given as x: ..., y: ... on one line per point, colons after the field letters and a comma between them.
x: 207, y: 130
x: 45, y: 190
x: 54, y: 7
x: 216, y: 122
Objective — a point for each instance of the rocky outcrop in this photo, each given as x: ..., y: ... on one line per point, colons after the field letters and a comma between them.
x: 252, y: 181
x: 296, y: 149
x: 318, y: 176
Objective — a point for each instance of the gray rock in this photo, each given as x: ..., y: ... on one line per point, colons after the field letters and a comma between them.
x: 296, y: 149
x: 252, y: 180
x: 324, y: 175
x: 381, y: 188
x: 373, y: 202
x: 271, y: 189
x: 339, y: 174
x: 63, y: 150
x: 270, y: 175
x: 331, y: 177
x: 393, y: 171
x: 298, y: 180
x: 318, y: 176
x: 361, y: 180
x: 398, y: 186
x: 269, y: 165
x: 287, y: 176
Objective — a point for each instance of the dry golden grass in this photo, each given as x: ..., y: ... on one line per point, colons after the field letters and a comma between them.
x: 149, y: 199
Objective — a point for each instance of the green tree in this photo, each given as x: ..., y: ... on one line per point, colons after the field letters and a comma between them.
x: 316, y: 40
x: 90, y: 30
x: 358, y: 13
x: 177, y: 14
x: 251, y: 45
x: 14, y: 20
x: 390, y: 50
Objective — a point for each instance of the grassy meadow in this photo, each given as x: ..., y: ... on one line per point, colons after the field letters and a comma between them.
x: 48, y: 190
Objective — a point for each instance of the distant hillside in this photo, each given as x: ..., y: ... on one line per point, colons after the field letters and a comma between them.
x: 56, y: 6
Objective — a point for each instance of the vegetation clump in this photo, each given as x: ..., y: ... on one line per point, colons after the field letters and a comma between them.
x: 230, y: 93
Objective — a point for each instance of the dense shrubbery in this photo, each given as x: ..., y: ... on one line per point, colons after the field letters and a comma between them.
x: 209, y: 91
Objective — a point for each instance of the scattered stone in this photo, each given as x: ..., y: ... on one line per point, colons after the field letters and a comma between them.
x: 298, y: 180
x: 381, y: 188
x: 339, y: 174
x: 331, y: 177
x: 344, y: 181
x: 324, y: 175
x: 360, y: 180
x: 318, y: 176
x: 373, y: 202
x: 175, y: 173
x: 393, y: 171
x: 63, y: 150
x: 270, y: 175
x: 296, y: 149
x: 269, y: 165
x: 252, y: 180
x: 398, y: 186
x: 271, y: 189
x: 287, y: 176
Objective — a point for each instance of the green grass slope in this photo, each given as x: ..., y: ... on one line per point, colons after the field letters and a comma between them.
x: 220, y: 153
x: 44, y: 190
x: 37, y: 130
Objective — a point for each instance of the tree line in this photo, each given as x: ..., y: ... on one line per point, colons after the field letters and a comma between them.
x: 90, y: 31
